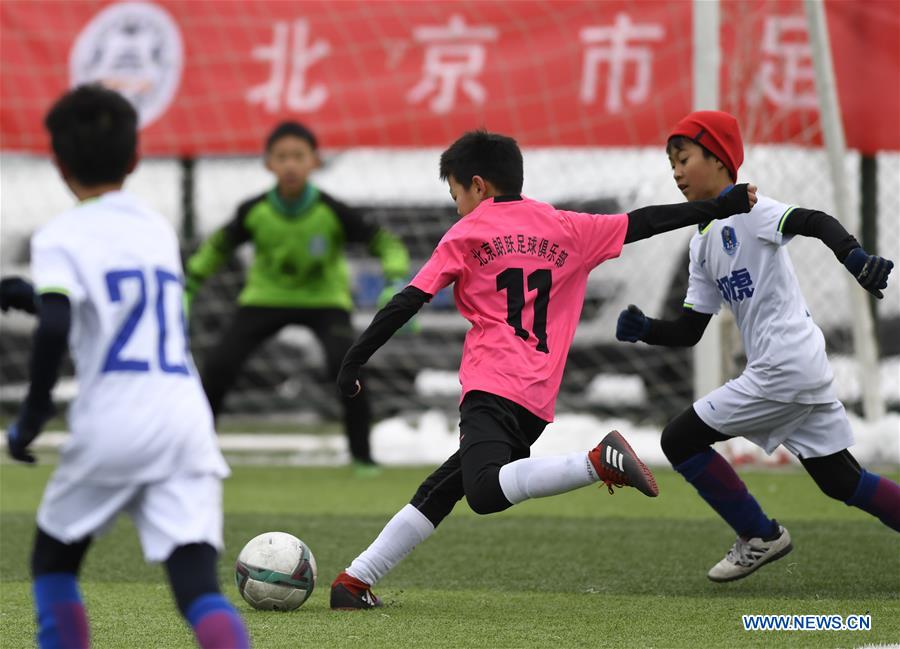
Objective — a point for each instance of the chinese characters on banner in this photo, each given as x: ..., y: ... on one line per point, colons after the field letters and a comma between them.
x: 785, y: 77
x: 610, y: 44
x: 215, y: 76
x: 289, y: 55
x: 454, y: 60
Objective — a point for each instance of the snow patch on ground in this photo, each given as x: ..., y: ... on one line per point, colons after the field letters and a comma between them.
x: 431, y: 437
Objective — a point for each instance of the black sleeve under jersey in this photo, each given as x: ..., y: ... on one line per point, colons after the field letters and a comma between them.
x: 51, y: 339
x: 645, y: 222
x: 685, y: 331
x: 396, y: 313
x: 356, y: 227
x: 822, y: 226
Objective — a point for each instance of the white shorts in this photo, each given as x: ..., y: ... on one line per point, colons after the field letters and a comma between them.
x: 805, y: 429
x: 183, y: 509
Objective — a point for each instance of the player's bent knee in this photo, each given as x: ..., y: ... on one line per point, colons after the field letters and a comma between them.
x: 481, y: 505
x: 675, y: 443
x: 669, y: 443
x: 686, y: 436
x: 835, y: 491
x: 51, y: 555
x: 192, y: 573
x: 487, y: 501
x: 840, y: 486
x: 837, y: 475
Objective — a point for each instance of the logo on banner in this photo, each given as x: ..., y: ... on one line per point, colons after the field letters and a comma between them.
x: 134, y: 48
x: 729, y: 240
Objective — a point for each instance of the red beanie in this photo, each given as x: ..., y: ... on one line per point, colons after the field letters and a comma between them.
x: 718, y: 133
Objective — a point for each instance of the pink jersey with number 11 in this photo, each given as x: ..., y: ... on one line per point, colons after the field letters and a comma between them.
x: 520, y: 269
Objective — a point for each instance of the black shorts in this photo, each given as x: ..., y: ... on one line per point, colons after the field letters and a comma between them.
x: 488, y: 418
x: 493, y: 431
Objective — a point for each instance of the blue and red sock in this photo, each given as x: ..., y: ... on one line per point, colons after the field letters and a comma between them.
x: 62, y: 621
x: 216, y: 623
x: 719, y: 485
x: 878, y: 496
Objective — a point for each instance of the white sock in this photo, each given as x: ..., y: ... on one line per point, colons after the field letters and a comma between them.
x: 403, y: 532
x: 536, y: 477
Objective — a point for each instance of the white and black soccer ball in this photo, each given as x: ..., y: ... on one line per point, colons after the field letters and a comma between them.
x: 275, y: 571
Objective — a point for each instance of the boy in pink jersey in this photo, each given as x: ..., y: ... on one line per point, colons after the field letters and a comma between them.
x: 519, y: 269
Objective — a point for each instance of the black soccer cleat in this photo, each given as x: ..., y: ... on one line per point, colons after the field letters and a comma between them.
x: 350, y: 594
x: 617, y: 465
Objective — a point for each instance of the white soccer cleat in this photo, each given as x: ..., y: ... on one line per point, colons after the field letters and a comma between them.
x: 748, y: 555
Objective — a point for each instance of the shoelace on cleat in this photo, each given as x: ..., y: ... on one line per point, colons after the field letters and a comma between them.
x: 612, y: 477
x: 742, y: 553
x: 610, y: 484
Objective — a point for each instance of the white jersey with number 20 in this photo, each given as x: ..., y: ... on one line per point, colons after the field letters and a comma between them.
x: 140, y: 414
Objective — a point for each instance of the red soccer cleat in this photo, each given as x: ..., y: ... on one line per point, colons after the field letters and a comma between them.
x: 350, y: 594
x: 618, y: 466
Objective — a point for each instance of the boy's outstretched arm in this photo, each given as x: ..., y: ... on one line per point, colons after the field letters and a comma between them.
x: 381, y: 243
x: 50, y: 341
x: 871, y: 271
x: 645, y: 222
x: 684, y: 331
x: 403, y: 306
x: 214, y: 252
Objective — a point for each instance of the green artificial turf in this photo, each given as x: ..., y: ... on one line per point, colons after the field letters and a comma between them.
x: 583, y: 569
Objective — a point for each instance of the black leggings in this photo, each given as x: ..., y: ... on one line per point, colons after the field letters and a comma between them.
x: 251, y: 326
x: 837, y: 475
x: 493, y: 431
x: 191, y: 568
x: 49, y: 555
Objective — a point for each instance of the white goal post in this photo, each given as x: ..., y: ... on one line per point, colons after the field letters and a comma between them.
x: 864, y: 341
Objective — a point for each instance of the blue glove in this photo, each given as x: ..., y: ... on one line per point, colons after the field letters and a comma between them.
x: 633, y: 325
x: 17, y: 293
x: 871, y: 271
x: 23, y: 431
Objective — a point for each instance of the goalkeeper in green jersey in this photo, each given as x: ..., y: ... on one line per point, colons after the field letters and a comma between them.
x: 299, y: 275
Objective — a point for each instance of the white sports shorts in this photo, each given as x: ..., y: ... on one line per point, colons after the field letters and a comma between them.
x: 180, y: 510
x: 805, y: 429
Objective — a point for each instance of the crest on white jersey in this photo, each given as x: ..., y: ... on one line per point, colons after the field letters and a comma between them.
x: 729, y: 240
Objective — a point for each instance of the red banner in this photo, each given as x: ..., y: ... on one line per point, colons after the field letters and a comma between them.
x: 212, y: 77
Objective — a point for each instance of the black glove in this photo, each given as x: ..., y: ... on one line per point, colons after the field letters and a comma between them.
x: 348, y: 381
x: 633, y: 325
x: 23, y: 431
x: 740, y: 199
x: 17, y: 293
x: 871, y: 271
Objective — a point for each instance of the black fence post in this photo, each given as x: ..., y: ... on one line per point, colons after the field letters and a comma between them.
x: 868, y: 213
x: 188, y: 211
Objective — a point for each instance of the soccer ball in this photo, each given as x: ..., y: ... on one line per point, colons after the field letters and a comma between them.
x: 275, y: 572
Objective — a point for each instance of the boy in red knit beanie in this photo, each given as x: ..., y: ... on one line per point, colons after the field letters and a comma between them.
x: 784, y: 395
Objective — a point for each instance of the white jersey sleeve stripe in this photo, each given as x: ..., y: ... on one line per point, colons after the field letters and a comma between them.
x: 53, y: 289
x: 784, y: 217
